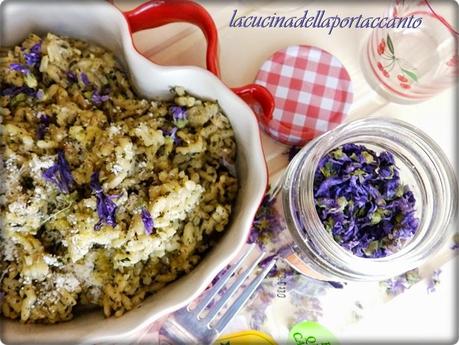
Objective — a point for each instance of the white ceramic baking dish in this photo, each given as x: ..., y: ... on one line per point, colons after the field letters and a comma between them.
x: 102, y: 23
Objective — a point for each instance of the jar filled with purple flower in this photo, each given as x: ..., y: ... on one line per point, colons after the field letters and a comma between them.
x: 367, y: 201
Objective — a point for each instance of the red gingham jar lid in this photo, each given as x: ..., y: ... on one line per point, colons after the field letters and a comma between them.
x: 312, y: 92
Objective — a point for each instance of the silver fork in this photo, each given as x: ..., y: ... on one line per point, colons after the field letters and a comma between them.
x: 192, y: 325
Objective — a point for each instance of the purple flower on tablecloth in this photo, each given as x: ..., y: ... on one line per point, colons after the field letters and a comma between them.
x: 433, y: 281
x: 267, y: 225
x: 399, y: 284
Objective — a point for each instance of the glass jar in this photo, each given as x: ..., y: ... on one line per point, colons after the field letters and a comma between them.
x: 423, y: 167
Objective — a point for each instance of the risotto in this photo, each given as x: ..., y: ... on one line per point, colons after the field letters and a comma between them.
x: 106, y: 197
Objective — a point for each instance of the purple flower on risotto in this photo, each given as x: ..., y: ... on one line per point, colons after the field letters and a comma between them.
x: 60, y: 173
x: 98, y: 99
x: 172, y: 134
x: 106, y: 208
x: 45, y: 120
x: 24, y: 69
x: 179, y: 116
x: 40, y: 94
x: 71, y: 77
x: 33, y: 57
x: 15, y: 90
x: 147, y: 221
x: 362, y: 202
x: 84, y: 79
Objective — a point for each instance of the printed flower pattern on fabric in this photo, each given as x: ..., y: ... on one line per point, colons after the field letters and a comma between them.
x: 267, y: 225
x: 391, y: 65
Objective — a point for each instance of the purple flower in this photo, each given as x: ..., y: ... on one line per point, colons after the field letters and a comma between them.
x: 71, y: 77
x: 15, y: 90
x: 106, y: 208
x: 34, y: 56
x: 84, y: 79
x: 98, y: 99
x: 24, y: 69
x: 40, y: 94
x: 179, y: 114
x: 173, y: 135
x: 147, y: 221
x: 433, y: 281
x: 399, y: 284
x: 396, y: 286
x: 45, y: 120
x: 361, y: 201
x: 60, y: 173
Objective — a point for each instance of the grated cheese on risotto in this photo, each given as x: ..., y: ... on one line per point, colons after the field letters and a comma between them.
x: 106, y: 197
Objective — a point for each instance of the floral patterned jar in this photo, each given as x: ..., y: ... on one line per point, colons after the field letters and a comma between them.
x: 423, y: 167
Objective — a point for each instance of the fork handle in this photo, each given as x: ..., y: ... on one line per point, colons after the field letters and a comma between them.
x: 172, y: 334
x: 243, y: 297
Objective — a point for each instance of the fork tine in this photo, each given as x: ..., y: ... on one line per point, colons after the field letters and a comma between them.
x: 209, y: 295
x: 243, y: 297
x: 227, y: 295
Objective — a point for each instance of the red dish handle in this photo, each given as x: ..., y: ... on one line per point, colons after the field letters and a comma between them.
x: 259, y: 99
x: 155, y: 13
